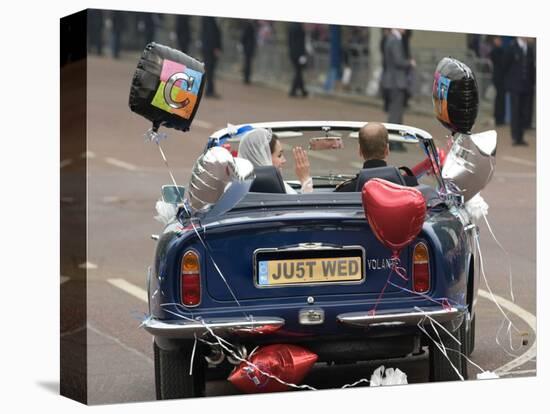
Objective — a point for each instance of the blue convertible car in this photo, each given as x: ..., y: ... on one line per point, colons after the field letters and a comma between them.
x: 265, y: 267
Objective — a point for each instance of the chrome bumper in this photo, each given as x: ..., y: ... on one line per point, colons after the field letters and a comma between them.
x: 405, y: 318
x: 184, y: 329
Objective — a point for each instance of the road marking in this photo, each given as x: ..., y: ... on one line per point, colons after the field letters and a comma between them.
x: 524, y: 372
x: 121, y: 164
x: 111, y: 199
x: 515, y: 175
x: 87, y: 266
x: 202, y: 124
x: 73, y: 331
x: 520, y: 161
x: 129, y: 288
x: 529, y: 318
x: 64, y: 279
x: 118, y: 342
x: 66, y: 162
x: 88, y: 155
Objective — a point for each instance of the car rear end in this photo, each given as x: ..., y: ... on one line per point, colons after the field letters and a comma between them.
x: 312, y: 274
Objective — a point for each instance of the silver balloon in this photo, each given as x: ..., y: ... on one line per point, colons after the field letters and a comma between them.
x: 212, y: 174
x: 471, y: 162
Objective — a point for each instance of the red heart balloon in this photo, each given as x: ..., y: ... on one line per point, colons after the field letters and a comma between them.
x: 289, y: 363
x: 395, y: 213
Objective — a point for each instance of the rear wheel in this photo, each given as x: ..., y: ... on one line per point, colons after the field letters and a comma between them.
x: 156, y: 352
x: 442, y: 368
x: 471, y: 336
x: 172, y: 379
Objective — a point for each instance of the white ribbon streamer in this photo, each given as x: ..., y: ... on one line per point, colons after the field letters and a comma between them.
x: 511, y: 324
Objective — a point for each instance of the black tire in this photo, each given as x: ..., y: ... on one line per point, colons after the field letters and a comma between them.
x: 471, y: 336
x: 220, y: 372
x: 156, y: 352
x: 172, y: 379
x: 440, y: 367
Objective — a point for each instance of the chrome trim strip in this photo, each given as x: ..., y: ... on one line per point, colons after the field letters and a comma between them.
x: 187, y: 329
x: 321, y: 125
x: 365, y: 319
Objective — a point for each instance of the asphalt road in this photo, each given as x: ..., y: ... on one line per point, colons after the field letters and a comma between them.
x: 124, y: 179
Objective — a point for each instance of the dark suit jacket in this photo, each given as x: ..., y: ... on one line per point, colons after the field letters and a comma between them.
x: 497, y: 58
x: 210, y: 36
x: 396, y: 64
x: 519, y: 69
x: 349, y: 185
x: 248, y: 38
x: 296, y: 41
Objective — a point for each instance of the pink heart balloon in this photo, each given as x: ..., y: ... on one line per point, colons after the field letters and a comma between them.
x: 395, y: 213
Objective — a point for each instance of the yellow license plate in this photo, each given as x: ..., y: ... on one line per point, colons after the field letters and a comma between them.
x: 297, y: 271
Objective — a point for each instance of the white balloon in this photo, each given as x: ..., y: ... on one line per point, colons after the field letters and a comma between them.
x: 471, y: 162
x: 212, y: 174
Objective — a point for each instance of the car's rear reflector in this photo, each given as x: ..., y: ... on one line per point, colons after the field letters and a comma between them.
x: 421, y: 268
x: 190, y: 279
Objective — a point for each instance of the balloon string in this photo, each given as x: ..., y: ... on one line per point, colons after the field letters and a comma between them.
x: 510, y: 323
x: 399, y: 270
x: 222, y: 343
x: 239, y: 358
x: 379, y: 298
x: 487, y: 284
x: 505, y: 253
x: 218, y: 270
x: 439, y: 344
x: 170, y: 172
x: 444, y: 302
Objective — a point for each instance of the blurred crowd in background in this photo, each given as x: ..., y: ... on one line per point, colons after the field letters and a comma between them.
x: 393, y: 66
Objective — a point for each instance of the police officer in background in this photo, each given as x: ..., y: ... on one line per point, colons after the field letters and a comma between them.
x: 297, y: 50
x: 211, y: 50
x: 394, y: 77
x: 183, y: 32
x: 248, y: 42
x: 497, y: 56
x: 519, y: 66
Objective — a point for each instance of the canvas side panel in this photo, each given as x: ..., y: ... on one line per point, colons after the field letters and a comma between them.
x: 73, y: 337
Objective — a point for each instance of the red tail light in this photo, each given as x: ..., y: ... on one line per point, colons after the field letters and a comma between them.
x: 421, y: 268
x: 190, y: 279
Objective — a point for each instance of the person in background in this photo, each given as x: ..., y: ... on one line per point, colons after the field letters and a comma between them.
x: 147, y: 25
x: 118, y: 20
x: 211, y: 51
x: 262, y: 148
x: 529, y: 110
x: 95, y: 30
x: 519, y: 80
x: 384, y: 91
x: 265, y: 32
x: 297, y: 50
x: 497, y: 61
x: 374, y: 149
x: 335, y: 66
x: 411, y: 75
x: 394, y: 77
x: 183, y: 32
x: 248, y: 42
x: 473, y: 42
